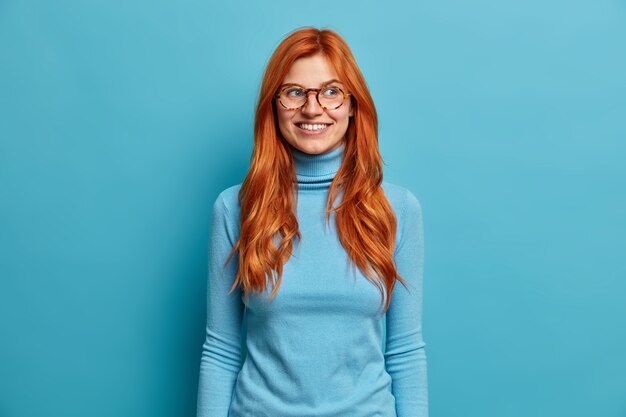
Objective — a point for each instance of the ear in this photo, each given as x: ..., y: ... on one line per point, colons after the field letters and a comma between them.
x: 351, y: 108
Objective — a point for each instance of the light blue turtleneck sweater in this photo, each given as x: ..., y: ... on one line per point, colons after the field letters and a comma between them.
x: 317, y: 349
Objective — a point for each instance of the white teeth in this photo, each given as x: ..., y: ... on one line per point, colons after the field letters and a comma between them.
x: 312, y: 127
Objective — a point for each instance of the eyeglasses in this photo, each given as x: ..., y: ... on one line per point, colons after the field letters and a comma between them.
x: 292, y: 97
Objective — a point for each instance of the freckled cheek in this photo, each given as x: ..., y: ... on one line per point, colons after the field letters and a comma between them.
x: 340, y: 115
x: 284, y: 124
x: 284, y: 120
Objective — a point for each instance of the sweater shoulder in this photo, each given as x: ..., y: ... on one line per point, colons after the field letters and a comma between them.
x: 229, y: 198
x: 400, y: 198
x: 227, y: 207
x: 406, y: 207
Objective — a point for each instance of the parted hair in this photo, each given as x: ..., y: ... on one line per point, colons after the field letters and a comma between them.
x: 366, y: 224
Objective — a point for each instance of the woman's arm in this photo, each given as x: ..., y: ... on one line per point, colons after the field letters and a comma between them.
x: 221, y: 351
x: 405, y: 356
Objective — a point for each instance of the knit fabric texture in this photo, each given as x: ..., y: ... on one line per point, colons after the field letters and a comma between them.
x: 321, y: 347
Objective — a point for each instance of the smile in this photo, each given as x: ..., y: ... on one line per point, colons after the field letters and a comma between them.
x: 313, y: 127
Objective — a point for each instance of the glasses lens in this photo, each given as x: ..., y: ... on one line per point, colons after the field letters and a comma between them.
x: 331, y: 97
x: 292, y: 97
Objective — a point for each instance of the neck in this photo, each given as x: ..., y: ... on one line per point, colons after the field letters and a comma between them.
x: 316, y: 172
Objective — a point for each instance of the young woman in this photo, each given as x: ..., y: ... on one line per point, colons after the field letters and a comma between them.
x: 317, y: 250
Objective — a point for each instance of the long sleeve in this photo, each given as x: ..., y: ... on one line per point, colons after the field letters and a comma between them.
x: 405, y: 355
x: 221, y: 351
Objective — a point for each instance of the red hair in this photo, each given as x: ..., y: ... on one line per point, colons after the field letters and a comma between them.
x: 366, y: 223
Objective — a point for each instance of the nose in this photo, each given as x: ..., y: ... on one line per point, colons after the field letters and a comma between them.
x: 311, y: 107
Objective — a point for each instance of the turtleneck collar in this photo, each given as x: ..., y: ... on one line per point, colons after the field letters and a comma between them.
x: 316, y: 172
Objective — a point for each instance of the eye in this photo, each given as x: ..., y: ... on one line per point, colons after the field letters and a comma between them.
x: 330, y: 92
x: 293, y: 92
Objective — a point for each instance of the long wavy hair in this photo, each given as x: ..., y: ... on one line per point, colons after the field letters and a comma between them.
x: 366, y: 223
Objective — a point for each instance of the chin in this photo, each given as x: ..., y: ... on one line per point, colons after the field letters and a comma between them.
x: 314, y: 150
x: 314, y: 147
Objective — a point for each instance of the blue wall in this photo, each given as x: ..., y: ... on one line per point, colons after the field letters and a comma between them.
x: 120, y: 122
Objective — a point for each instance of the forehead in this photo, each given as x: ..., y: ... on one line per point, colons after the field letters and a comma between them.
x: 310, y: 71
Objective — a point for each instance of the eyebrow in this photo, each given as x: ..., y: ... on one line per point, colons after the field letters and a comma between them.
x: 321, y: 85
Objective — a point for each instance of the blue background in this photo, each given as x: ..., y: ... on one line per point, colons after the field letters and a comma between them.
x: 120, y: 122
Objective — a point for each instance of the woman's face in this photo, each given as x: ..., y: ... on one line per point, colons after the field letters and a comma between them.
x: 313, y: 72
